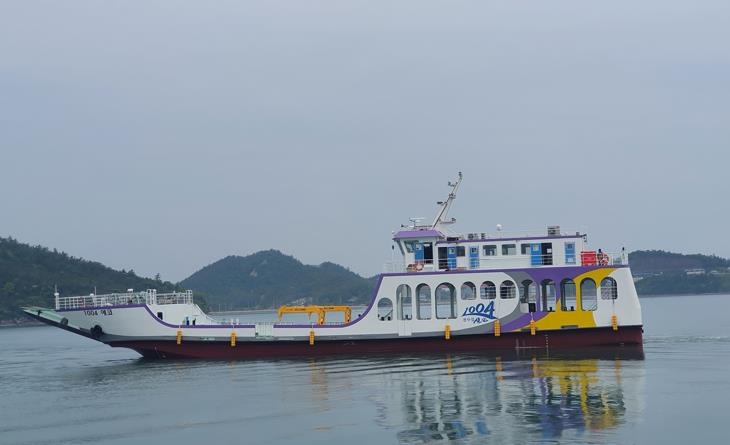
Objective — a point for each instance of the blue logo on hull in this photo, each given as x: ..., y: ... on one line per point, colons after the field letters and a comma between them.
x: 480, y: 310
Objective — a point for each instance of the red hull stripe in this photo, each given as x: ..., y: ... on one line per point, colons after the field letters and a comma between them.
x: 547, y: 340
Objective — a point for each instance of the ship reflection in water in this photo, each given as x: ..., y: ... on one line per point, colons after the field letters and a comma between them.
x: 510, y: 399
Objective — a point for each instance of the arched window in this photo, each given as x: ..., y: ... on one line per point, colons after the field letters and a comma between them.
x: 588, y: 295
x: 609, y: 289
x: 488, y: 291
x: 423, y: 302
x: 548, y: 295
x: 445, y: 301
x: 528, y: 296
x: 507, y: 290
x: 404, y: 302
x: 385, y: 309
x: 468, y: 291
x: 567, y: 295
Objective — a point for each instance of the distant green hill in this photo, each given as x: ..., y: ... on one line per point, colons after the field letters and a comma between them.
x: 654, y: 261
x: 269, y: 278
x: 665, y: 273
x: 28, y: 275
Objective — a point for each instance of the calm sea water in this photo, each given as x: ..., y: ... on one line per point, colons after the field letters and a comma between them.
x: 59, y: 388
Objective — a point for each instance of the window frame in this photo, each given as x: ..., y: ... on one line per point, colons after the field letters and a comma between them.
x: 512, y: 290
x: 614, y: 287
x: 451, y: 314
x: 564, y: 296
x: 473, y: 289
x: 485, y: 295
x: 594, y: 299
x: 389, y: 314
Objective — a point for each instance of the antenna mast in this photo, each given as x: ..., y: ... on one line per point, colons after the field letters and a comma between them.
x: 446, y: 205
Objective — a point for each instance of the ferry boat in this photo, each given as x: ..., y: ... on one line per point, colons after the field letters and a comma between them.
x: 448, y: 292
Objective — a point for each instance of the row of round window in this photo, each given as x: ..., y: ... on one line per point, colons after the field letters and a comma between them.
x: 530, y: 292
x: 507, y: 289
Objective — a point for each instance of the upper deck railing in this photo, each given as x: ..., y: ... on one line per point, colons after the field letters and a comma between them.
x: 150, y: 296
x: 585, y: 258
x: 516, y: 234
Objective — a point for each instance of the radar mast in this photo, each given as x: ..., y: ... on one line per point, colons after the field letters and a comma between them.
x: 446, y: 205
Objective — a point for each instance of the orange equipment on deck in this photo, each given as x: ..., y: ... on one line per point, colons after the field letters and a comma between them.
x: 321, y: 311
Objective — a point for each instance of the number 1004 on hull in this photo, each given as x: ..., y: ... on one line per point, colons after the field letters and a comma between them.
x: 475, y: 292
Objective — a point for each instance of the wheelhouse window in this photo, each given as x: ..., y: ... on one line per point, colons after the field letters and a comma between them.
x: 409, y: 245
x: 609, y: 289
x: 509, y: 249
x: 423, y: 302
x: 524, y: 249
x: 588, y: 295
x: 404, y: 302
x: 385, y: 309
x: 488, y: 291
x: 461, y: 251
x: 445, y: 301
x: 507, y: 290
x: 547, y: 291
x: 468, y: 291
x: 489, y: 250
x: 567, y: 295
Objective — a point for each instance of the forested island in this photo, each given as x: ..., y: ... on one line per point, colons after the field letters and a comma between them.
x: 266, y: 279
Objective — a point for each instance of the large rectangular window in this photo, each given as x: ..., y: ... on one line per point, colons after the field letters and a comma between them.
x: 509, y: 249
x: 524, y: 249
x: 490, y: 250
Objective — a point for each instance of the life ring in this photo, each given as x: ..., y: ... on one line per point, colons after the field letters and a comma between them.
x: 603, y: 259
x: 419, y: 267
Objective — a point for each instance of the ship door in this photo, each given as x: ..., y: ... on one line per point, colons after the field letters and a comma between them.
x: 547, y: 254
x: 443, y: 262
x: 428, y: 253
x: 451, y: 257
x: 569, y: 253
x: 535, y: 254
x: 418, y: 248
x: 474, y: 257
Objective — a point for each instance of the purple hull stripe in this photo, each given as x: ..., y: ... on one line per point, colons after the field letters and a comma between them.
x: 228, y: 326
x: 176, y: 326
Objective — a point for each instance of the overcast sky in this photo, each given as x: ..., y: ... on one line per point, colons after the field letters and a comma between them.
x: 161, y: 136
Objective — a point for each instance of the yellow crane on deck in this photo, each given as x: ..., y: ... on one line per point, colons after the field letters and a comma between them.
x: 321, y: 311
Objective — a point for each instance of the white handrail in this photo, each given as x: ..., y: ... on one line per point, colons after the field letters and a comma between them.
x: 512, y: 261
x: 150, y: 296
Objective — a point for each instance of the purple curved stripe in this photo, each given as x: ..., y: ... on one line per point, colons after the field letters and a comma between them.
x: 176, y: 326
x: 367, y: 309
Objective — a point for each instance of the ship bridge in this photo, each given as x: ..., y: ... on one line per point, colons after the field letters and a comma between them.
x: 431, y: 250
x: 433, y: 247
